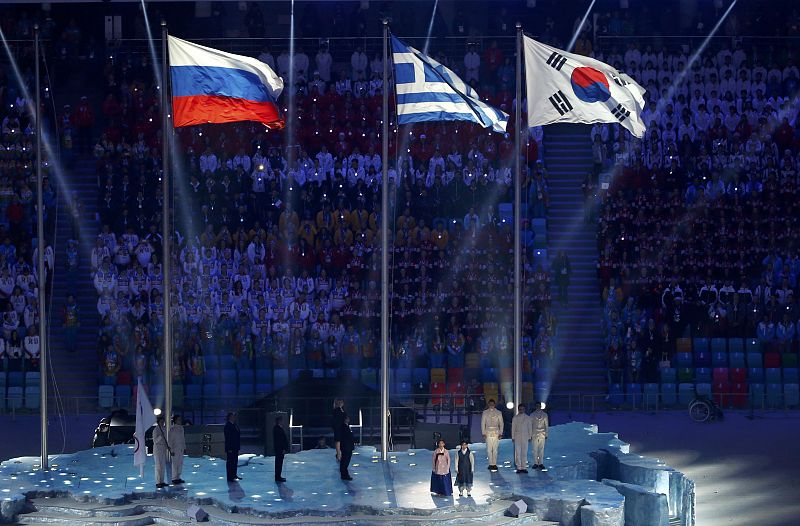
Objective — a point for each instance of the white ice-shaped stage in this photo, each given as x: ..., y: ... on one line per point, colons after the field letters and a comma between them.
x: 591, y: 480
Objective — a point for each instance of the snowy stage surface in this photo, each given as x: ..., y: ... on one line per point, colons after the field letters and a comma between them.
x: 591, y: 480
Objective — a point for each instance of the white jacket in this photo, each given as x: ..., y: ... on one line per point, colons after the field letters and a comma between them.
x: 492, y: 423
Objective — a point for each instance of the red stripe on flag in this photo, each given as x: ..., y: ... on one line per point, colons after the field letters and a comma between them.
x: 204, y: 109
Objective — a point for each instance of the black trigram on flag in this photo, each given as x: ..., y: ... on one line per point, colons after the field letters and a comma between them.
x: 620, y: 113
x: 619, y: 81
x: 556, y: 60
x: 560, y: 102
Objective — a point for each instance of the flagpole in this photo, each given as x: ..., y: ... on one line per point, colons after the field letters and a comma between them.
x: 385, y: 252
x: 517, y: 228
x: 43, y: 355
x: 165, y: 228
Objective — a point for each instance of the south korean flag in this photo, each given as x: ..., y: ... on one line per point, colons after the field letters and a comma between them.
x: 564, y: 87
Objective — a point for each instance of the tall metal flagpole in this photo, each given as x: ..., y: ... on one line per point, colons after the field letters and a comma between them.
x: 517, y: 229
x: 385, y: 252
x: 40, y: 259
x: 166, y: 260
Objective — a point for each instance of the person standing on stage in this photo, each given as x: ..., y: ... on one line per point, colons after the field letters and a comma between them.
x: 521, y: 434
x: 465, y: 469
x: 345, y: 448
x: 233, y: 443
x: 177, y: 446
x: 492, y: 431
x: 441, y: 481
x: 281, y: 444
x: 160, y: 451
x: 339, y: 416
x: 540, y: 427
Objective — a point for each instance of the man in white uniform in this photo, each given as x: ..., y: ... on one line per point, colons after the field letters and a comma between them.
x: 160, y: 450
x: 540, y: 424
x: 177, y: 445
x: 521, y: 433
x: 492, y: 431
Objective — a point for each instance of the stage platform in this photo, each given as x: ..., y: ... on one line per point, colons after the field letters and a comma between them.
x: 591, y: 479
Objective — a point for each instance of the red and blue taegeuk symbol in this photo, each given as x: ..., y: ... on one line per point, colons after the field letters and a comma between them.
x: 590, y: 85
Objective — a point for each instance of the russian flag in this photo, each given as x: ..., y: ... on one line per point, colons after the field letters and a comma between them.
x: 211, y: 86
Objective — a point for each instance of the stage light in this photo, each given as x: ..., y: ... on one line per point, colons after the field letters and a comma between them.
x: 543, y: 405
x: 157, y: 411
x: 509, y: 405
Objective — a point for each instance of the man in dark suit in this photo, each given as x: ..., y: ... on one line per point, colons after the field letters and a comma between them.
x: 281, y: 444
x: 347, y: 444
x: 232, y: 445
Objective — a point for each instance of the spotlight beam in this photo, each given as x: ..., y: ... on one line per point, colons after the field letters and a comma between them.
x: 580, y: 27
x: 430, y: 27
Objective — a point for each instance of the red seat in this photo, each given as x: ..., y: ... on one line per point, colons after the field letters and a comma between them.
x: 456, y: 392
x: 455, y: 374
x: 772, y: 360
x: 721, y: 392
x: 437, y: 390
x: 738, y: 375
x: 720, y: 374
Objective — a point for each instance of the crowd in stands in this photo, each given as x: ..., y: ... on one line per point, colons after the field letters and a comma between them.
x: 277, y: 248
x: 697, y: 231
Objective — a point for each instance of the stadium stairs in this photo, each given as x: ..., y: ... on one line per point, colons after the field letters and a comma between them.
x: 568, y: 157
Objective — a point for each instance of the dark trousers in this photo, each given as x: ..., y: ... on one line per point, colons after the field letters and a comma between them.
x: 278, y: 465
x: 231, y: 464
x: 344, y: 463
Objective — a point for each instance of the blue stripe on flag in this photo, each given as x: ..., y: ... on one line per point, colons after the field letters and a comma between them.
x: 409, y: 118
x: 430, y: 96
x: 213, y: 80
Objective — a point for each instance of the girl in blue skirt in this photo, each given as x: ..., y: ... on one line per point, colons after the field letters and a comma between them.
x: 441, y: 482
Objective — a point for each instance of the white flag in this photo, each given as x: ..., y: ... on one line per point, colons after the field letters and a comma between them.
x: 145, y: 419
x: 564, y: 87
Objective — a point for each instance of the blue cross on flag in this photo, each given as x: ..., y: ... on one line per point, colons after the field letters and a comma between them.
x: 428, y: 91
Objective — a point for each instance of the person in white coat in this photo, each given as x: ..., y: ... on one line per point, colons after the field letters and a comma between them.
x: 540, y: 427
x: 160, y: 450
x: 492, y: 431
x: 521, y: 434
x: 177, y: 446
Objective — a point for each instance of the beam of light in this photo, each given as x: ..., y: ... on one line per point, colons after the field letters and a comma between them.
x: 579, y: 29
x: 430, y: 27
x: 154, y: 59
x: 678, y: 80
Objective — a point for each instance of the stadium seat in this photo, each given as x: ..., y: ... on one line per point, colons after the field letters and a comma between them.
x: 791, y: 395
x: 700, y: 344
x: 228, y: 376
x: 541, y: 374
x: 404, y: 388
x: 752, y: 345
x: 684, y: 359
x: 280, y: 378
x: 489, y: 375
x: 789, y: 359
x: 421, y: 374
x: 719, y: 345
x: 369, y: 377
x: 651, y: 395
x: 540, y: 256
x: 262, y: 362
x: 14, y: 397
x: 738, y: 399
x: 528, y: 393
x: 773, y: 376
x: 738, y: 375
x: 541, y: 389
x: 210, y: 391
x: 720, y: 374
x: 472, y: 374
x: 491, y: 391
x: 686, y: 394
x: 263, y: 388
x: 212, y: 361
x: 702, y: 359
x: 702, y: 374
x: 456, y: 392
x: 668, y: 395
x: 505, y: 211
x: 193, y: 395
x: 754, y: 359
x: 105, y: 396
x: 685, y: 374
x: 772, y: 360
x: 123, y: 395
x: 33, y: 395
x: 668, y: 375
x: 790, y: 376
x: 757, y: 396
x: 16, y: 379
x: 247, y: 390
x: 735, y: 345
x: 722, y: 393
x: 32, y: 378
x: 774, y: 395
x: 472, y: 360
x: 703, y: 389
x: 402, y: 375
x: 320, y: 373
x: 455, y: 374
x: 736, y: 359
x: 633, y: 394
x: 3, y: 384
x: 437, y: 390
x: 683, y: 345
x: 177, y: 395
x: 616, y: 397
x: 438, y: 375
x: 719, y: 359
x: 228, y: 393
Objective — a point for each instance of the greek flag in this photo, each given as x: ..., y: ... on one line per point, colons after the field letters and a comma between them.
x: 428, y: 91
